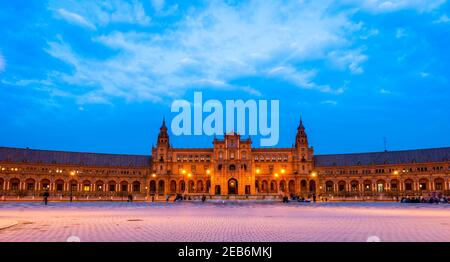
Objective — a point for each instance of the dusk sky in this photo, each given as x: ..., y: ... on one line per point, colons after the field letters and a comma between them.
x: 98, y: 76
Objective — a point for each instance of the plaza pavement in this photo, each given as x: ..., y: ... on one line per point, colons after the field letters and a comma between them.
x: 228, y: 221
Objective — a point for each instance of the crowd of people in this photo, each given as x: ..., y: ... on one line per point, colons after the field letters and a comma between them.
x: 430, y: 200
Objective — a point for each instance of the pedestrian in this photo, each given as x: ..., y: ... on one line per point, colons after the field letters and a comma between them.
x: 314, y: 198
x: 203, y: 198
x: 46, y: 195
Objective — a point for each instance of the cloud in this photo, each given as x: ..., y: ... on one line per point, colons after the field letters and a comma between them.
x: 442, y: 20
x: 329, y: 102
x: 348, y: 59
x: 102, y: 13
x: 384, y: 6
x: 75, y: 18
x: 2, y: 63
x: 158, y: 5
x: 400, y: 33
x: 212, y: 46
x: 302, y: 79
x: 385, y: 91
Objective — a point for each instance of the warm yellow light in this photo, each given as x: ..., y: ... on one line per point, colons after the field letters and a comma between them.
x: 72, y: 173
x: 183, y: 171
x: 189, y: 175
x: 283, y: 171
x: 276, y: 174
x: 395, y: 172
x: 313, y: 174
x: 257, y: 171
x: 153, y: 175
x: 208, y: 171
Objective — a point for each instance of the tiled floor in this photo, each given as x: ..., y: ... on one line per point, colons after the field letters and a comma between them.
x: 229, y: 221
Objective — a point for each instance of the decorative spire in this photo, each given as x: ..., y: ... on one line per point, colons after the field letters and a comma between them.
x: 300, y: 125
x: 164, y: 122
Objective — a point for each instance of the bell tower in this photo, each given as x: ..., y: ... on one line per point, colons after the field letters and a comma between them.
x: 301, y: 139
x: 303, y: 153
x: 160, y: 153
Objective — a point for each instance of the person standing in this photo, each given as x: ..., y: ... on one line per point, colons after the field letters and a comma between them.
x: 46, y: 195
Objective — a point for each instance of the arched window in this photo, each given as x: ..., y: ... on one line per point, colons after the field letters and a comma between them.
x: 173, y: 186
x: 341, y: 186
x: 439, y: 184
x: 232, y: 167
x: 161, y: 185
x: 329, y: 186
x: 354, y: 185
x: 182, y: 186
x: 136, y: 186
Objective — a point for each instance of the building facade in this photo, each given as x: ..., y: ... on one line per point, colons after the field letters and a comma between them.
x: 230, y: 169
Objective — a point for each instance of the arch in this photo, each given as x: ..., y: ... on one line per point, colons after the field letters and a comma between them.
x: 173, y: 186
x: 208, y: 185
x: 354, y: 186
x: 199, y: 186
x: 45, y: 184
x: 312, y: 186
x: 257, y: 186
x: 409, y: 184
x: 439, y: 184
x: 161, y: 185
x: 86, y: 185
x: 341, y: 186
x: 394, y: 185
x: 99, y: 185
x: 73, y: 185
x: 182, y: 186
x: 232, y: 186
x: 2, y: 183
x: 14, y: 184
x: 30, y: 184
x: 303, y: 186
x: 423, y: 184
x: 283, y: 186
x: 264, y: 186
x: 367, y: 185
x: 152, y: 187
x: 136, y: 186
x: 329, y: 186
x: 273, y: 186
x: 59, y: 185
x: 217, y: 190
x: 232, y: 167
x: 124, y: 186
x: 381, y: 185
x: 112, y: 186
x: 291, y: 186
x: 191, y: 186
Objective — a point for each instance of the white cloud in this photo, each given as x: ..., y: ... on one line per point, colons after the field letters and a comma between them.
x: 442, y: 20
x: 382, y: 6
x: 400, y: 33
x: 102, y: 13
x: 385, y: 91
x: 158, y: 5
x: 350, y: 59
x: 329, y: 102
x: 211, y: 47
x: 75, y: 18
x: 424, y: 74
x: 2, y: 63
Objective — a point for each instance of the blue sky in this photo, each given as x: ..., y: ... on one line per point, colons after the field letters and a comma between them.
x: 100, y: 75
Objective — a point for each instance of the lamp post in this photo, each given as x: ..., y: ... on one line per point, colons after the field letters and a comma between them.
x: 72, y: 174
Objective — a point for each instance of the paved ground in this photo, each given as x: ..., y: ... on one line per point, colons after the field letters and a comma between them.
x: 229, y: 221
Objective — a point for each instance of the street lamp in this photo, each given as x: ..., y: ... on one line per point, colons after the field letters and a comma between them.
x: 72, y: 174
